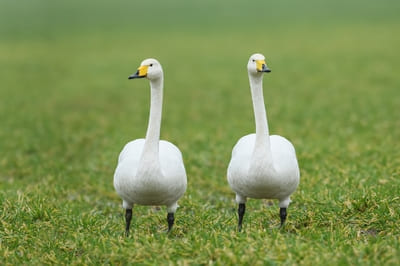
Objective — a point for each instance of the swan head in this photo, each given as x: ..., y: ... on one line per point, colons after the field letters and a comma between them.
x: 149, y: 68
x: 257, y: 65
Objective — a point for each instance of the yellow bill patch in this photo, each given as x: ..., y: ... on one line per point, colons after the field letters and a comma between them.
x: 259, y: 64
x: 143, y: 71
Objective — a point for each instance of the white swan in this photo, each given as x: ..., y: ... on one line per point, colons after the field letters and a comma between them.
x: 150, y: 171
x: 262, y: 166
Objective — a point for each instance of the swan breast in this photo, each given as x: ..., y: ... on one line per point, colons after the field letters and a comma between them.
x: 151, y: 186
x: 274, y: 177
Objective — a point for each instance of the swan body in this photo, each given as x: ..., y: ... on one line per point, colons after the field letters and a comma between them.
x: 162, y: 185
x: 150, y: 171
x: 259, y: 179
x: 262, y: 166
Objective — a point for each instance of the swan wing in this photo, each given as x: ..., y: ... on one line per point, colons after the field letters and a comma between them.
x: 244, y: 146
x: 128, y: 163
x: 285, y: 164
x: 132, y: 150
x: 171, y: 161
x: 173, y: 169
x: 284, y: 156
x: 240, y: 162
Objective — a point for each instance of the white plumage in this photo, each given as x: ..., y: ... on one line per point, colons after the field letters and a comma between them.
x: 150, y: 171
x: 262, y: 166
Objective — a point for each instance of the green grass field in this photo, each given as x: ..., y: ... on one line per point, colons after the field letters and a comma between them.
x: 67, y: 108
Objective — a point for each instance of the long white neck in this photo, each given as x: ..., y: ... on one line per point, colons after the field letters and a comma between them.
x: 151, y: 149
x: 262, y: 143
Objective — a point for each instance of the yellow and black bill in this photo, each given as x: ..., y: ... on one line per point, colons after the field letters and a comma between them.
x: 262, y: 66
x: 140, y: 73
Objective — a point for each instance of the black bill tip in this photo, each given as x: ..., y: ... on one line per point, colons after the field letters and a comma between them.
x: 265, y: 69
x: 135, y: 76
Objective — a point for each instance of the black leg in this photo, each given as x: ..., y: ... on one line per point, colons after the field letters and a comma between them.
x: 283, y: 215
x: 170, y: 219
x: 128, y: 218
x: 241, y: 209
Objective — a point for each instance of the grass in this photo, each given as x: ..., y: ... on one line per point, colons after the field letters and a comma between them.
x: 67, y: 109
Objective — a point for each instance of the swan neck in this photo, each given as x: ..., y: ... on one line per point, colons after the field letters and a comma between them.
x: 151, y: 145
x: 262, y: 132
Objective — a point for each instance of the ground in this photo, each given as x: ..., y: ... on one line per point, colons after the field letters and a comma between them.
x: 67, y: 108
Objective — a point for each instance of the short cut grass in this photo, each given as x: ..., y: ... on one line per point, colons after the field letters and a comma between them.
x: 67, y: 108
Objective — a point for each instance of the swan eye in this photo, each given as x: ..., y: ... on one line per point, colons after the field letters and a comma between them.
x: 253, y: 60
x: 151, y: 65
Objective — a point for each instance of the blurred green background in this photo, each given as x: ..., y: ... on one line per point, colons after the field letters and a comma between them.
x: 67, y: 108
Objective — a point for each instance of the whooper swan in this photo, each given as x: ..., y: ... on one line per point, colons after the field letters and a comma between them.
x: 262, y: 166
x: 150, y: 171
